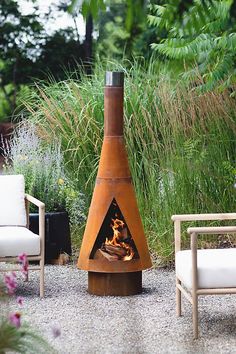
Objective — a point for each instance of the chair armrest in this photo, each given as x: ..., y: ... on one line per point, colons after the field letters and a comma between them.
x: 41, y: 207
x: 212, y: 230
x: 35, y: 201
x: 202, y: 217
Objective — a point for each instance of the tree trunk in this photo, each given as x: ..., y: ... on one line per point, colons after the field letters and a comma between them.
x: 89, y: 43
x: 14, y: 81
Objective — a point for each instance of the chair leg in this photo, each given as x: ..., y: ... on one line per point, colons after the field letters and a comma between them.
x: 178, y: 299
x: 41, y: 278
x: 195, y: 315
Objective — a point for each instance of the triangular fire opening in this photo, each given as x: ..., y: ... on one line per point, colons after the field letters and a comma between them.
x: 114, y: 241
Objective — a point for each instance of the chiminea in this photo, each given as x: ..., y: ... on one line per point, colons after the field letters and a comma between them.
x: 114, y: 250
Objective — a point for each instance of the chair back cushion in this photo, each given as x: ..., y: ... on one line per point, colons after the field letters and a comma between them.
x: 12, y: 200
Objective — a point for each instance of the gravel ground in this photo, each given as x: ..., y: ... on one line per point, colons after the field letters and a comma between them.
x: 144, y: 323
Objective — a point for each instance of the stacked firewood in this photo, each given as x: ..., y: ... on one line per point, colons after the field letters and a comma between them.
x: 113, y: 252
x: 110, y: 252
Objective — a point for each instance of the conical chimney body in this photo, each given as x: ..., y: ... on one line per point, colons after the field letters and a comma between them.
x: 113, y: 190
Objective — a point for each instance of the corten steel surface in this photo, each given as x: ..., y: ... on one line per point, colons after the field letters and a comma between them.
x: 115, y: 284
x: 114, y: 182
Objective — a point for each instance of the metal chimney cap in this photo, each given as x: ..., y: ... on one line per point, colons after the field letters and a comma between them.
x: 114, y: 78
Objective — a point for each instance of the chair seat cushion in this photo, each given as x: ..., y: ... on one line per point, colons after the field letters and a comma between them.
x: 216, y: 268
x: 16, y: 240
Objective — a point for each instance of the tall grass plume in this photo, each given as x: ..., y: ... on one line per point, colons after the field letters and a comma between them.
x: 181, y: 145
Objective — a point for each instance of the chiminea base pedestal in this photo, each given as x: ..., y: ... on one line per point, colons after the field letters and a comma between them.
x: 115, y: 284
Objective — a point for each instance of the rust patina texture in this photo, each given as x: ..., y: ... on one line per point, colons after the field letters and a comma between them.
x: 114, y: 183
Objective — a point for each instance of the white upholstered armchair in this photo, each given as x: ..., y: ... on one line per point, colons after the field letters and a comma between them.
x: 15, y: 237
x: 203, y: 272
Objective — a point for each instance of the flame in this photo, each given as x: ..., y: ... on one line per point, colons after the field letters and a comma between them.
x: 117, y: 225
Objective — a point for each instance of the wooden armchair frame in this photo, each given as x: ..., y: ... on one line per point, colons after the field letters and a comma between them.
x: 40, y: 257
x: 192, y: 296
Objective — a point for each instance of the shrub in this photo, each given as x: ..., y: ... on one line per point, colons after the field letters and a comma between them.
x: 43, y: 168
x: 204, y: 34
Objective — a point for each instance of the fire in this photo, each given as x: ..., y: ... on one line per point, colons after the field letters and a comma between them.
x: 119, y: 235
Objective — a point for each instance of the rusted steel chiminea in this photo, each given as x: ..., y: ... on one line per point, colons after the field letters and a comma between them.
x: 114, y: 250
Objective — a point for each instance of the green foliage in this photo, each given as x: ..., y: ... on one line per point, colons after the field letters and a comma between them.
x: 123, y: 31
x: 112, y: 32
x: 204, y: 34
x: 17, y: 337
x: 61, y: 52
x: 181, y: 145
x: 164, y: 16
x: 21, y: 340
x: 19, y: 35
x: 43, y: 169
x: 121, y: 26
x: 87, y: 7
x: 28, y: 51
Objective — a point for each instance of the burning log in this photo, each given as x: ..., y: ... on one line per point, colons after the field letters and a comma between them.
x: 101, y: 255
x: 118, y: 247
x: 115, y: 250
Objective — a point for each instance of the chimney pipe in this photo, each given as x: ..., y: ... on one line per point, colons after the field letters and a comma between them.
x: 113, y: 103
x: 114, y: 78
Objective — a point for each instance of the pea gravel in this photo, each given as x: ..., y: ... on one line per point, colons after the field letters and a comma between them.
x: 144, y: 323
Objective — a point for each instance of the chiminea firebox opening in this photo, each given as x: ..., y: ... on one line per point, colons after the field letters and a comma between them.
x: 114, y: 241
x: 114, y: 250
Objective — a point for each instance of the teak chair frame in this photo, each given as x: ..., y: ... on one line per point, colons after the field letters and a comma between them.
x: 192, y: 295
x: 40, y: 257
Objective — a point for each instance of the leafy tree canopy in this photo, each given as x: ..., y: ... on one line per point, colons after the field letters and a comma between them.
x: 121, y: 26
x: 203, y: 38
x: 27, y: 51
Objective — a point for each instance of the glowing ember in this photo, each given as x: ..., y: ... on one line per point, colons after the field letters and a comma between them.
x: 118, y: 240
